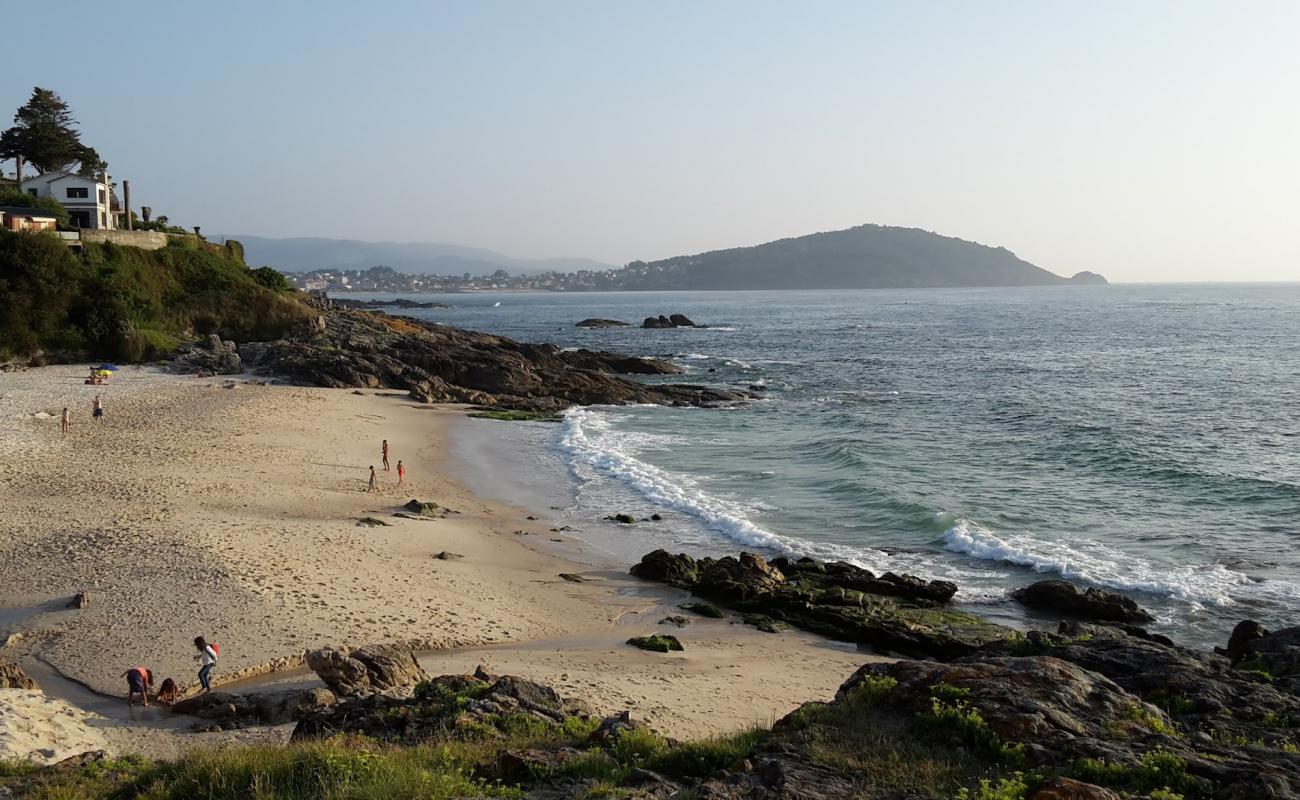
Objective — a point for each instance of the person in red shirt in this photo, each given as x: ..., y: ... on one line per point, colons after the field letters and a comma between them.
x: 138, y: 681
x: 401, y: 472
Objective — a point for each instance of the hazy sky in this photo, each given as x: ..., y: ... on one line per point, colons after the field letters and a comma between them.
x: 1143, y: 140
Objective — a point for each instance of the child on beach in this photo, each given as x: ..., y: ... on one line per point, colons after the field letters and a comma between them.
x: 67, y: 420
x: 168, y: 692
x: 207, y: 660
x: 98, y: 409
x: 373, y: 479
x: 138, y: 681
x: 401, y: 472
x: 385, y: 455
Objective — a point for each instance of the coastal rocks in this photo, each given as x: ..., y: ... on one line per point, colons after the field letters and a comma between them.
x: 1092, y: 603
x: 475, y: 704
x: 13, y: 677
x: 704, y: 610
x: 79, y: 600
x: 675, y: 619
x: 672, y: 321
x: 447, y: 555
x: 260, y: 708
x: 373, y: 668
x: 1245, y: 632
x: 1070, y: 789
x: 659, y: 643
x: 622, y: 519
x: 902, y: 614
x: 423, y: 508
x: 596, y: 322
x: 437, y: 363
x: 211, y: 355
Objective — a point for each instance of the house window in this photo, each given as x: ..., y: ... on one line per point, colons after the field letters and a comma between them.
x: 32, y: 192
x: 78, y: 193
x: 103, y: 220
x: 80, y: 219
x: 101, y: 197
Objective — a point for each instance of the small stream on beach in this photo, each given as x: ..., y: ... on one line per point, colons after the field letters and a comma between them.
x: 1138, y: 438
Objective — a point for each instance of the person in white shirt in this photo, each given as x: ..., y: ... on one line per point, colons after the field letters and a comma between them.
x: 207, y: 660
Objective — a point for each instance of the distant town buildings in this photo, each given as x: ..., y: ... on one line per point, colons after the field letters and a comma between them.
x: 637, y: 275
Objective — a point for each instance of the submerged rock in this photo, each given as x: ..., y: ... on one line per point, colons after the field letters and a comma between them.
x: 596, y: 322
x: 1092, y: 603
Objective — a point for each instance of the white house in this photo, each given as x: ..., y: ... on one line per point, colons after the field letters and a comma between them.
x: 89, y: 200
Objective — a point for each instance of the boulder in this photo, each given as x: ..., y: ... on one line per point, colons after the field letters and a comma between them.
x: 345, y: 675
x: 681, y: 321
x: 704, y: 610
x: 675, y: 619
x: 612, y: 727
x: 13, y: 677
x: 622, y: 519
x: 659, y: 643
x: 1069, y: 789
x: 657, y: 322
x: 1066, y: 598
x: 663, y: 567
x: 210, y: 355
x: 79, y: 600
x: 731, y: 579
x: 1245, y: 633
x: 596, y: 322
x: 389, y: 666
x: 423, y: 509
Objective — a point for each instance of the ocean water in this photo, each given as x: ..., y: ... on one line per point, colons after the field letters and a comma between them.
x: 1139, y: 438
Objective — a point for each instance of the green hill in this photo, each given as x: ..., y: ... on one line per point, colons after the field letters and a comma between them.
x: 129, y: 304
x: 865, y: 257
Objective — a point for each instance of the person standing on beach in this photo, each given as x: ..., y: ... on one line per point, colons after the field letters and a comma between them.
x: 385, y: 455
x: 66, y: 422
x: 401, y: 472
x: 138, y: 681
x: 374, y: 479
x: 97, y: 409
x: 207, y: 660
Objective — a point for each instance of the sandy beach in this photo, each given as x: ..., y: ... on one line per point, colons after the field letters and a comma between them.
x: 230, y: 508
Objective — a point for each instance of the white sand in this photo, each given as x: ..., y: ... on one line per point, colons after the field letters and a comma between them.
x: 43, y: 730
x: 231, y: 512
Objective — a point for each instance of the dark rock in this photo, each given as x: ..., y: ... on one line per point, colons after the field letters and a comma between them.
x: 371, y: 522
x: 1092, y: 603
x: 656, y: 517
x: 1069, y: 789
x: 79, y: 600
x: 660, y: 643
x: 765, y: 623
x: 731, y: 579
x: 596, y: 322
x: 211, y: 356
x: 572, y: 578
x: 622, y: 519
x: 681, y: 321
x: 426, y: 509
x: 704, y: 610
x: 13, y: 677
x: 657, y: 322
x: 258, y: 708
x: 612, y: 727
x: 436, y: 363
x: 448, y: 556
x: 1245, y: 633
x: 663, y: 567
x: 675, y: 619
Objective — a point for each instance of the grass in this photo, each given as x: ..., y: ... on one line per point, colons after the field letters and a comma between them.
x: 1158, y: 770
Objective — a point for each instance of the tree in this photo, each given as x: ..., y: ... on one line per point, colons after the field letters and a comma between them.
x: 45, y: 135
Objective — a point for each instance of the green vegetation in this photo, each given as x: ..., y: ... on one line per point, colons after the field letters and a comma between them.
x: 45, y: 135
x: 513, y: 415
x: 704, y: 609
x: 128, y: 304
x: 951, y: 712
x: 1158, y: 770
x: 1012, y: 788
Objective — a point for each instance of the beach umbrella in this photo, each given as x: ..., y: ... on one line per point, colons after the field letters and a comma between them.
x: 106, y: 368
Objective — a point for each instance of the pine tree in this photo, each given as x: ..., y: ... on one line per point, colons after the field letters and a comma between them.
x: 45, y: 135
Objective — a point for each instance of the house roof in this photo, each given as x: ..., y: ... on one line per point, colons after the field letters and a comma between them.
x: 30, y: 213
x: 51, y: 177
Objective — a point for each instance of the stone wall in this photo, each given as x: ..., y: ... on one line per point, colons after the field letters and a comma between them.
x: 145, y: 240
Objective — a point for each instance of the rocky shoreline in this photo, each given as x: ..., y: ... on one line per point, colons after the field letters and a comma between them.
x: 359, y: 349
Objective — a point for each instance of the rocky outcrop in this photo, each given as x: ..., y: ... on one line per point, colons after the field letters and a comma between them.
x: 899, y: 613
x: 659, y: 643
x: 439, y: 705
x: 366, y: 670
x: 437, y: 363
x: 13, y: 677
x: 1063, y: 597
x: 211, y: 356
x: 596, y: 322
x: 400, y: 302
x: 672, y: 321
x: 228, y: 711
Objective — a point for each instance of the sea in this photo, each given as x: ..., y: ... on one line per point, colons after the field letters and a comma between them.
x: 1140, y: 438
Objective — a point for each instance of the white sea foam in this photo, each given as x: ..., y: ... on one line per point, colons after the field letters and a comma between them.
x: 590, y: 441
x: 1096, y: 564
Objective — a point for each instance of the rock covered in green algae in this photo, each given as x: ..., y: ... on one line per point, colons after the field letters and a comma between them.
x: 903, y: 613
x: 659, y: 643
x: 704, y: 609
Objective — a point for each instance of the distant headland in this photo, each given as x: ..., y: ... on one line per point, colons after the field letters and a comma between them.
x: 865, y: 257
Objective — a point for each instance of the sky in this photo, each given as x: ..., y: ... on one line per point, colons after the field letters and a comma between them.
x: 1148, y: 141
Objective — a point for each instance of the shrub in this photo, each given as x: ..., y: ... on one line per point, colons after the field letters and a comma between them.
x: 12, y: 196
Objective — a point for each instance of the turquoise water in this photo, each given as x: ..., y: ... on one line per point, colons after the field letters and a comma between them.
x: 1141, y: 438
